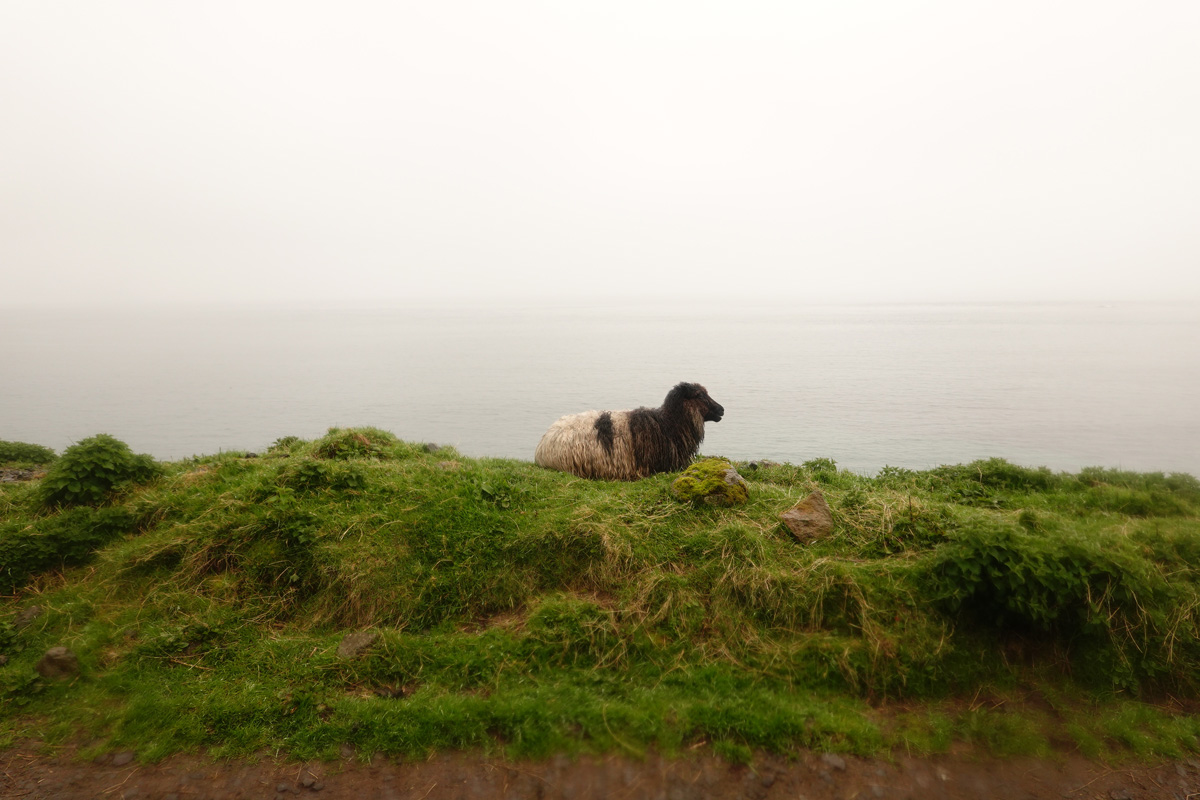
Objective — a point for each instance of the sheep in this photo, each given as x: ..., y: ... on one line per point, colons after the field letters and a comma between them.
x: 627, y: 445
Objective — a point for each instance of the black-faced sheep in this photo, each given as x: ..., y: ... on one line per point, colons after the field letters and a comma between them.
x: 626, y: 445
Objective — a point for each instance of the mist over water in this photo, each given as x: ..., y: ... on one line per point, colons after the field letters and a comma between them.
x: 1065, y: 386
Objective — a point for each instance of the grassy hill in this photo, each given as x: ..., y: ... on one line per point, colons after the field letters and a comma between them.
x: 528, y: 611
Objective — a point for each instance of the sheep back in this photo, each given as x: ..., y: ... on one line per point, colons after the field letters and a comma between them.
x: 591, y: 444
x: 626, y: 445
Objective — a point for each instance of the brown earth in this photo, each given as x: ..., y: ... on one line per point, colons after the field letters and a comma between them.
x: 27, y: 775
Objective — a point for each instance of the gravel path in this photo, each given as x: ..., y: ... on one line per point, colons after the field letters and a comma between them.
x: 26, y: 775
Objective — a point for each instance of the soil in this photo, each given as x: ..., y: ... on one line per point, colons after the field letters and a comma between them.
x: 27, y: 775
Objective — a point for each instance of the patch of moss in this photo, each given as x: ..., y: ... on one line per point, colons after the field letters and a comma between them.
x: 712, y: 481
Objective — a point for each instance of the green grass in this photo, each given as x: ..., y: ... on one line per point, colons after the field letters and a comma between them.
x: 530, y: 612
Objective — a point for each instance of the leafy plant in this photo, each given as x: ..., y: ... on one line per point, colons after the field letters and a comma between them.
x: 89, y: 472
x: 64, y: 539
x: 350, y: 443
x: 310, y: 475
x: 23, y: 453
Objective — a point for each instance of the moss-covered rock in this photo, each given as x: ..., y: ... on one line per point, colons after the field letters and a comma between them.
x: 711, y: 482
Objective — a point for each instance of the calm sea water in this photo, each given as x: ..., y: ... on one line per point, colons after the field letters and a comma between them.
x: 1065, y: 386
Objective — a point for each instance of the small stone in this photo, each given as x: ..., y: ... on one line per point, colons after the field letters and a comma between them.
x: 347, y: 751
x: 430, y: 447
x: 283, y: 788
x: 307, y: 781
x: 810, y: 519
x: 123, y: 758
x: 318, y: 786
x: 942, y: 774
x: 767, y: 780
x: 876, y: 790
x: 355, y: 644
x: 1120, y: 794
x: 59, y: 662
x: 26, y: 616
x: 833, y: 760
x: 251, y: 455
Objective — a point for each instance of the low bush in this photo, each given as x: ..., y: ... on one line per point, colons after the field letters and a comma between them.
x: 88, y: 473
x: 23, y: 453
x: 61, y: 540
x: 1117, y: 613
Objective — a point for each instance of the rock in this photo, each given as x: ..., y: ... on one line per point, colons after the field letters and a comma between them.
x: 355, y: 644
x: 810, y: 519
x: 834, y: 760
x: 59, y: 662
x: 26, y: 616
x: 307, y: 781
x: 318, y: 786
x: 283, y: 788
x: 711, y: 482
x: 20, y: 475
x: 121, y: 759
x: 430, y: 447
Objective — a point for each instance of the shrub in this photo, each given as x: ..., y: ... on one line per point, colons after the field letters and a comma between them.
x: 310, y: 475
x: 355, y: 443
x: 90, y: 471
x: 23, y: 453
x: 1098, y: 597
x: 61, y: 540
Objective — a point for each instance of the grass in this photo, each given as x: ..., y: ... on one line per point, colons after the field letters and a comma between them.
x: 530, y: 612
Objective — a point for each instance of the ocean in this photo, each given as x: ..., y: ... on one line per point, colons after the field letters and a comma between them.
x: 1063, y: 386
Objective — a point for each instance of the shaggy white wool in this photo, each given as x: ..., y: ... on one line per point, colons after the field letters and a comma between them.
x: 571, y: 446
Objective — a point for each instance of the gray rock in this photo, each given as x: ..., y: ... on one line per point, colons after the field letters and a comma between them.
x: 121, y: 759
x: 318, y: 786
x: 834, y: 760
x: 430, y: 447
x: 307, y: 781
x: 283, y: 788
x: 355, y: 644
x: 810, y: 519
x: 59, y: 662
x: 26, y: 616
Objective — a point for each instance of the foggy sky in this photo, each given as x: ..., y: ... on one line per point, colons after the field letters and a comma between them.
x: 375, y: 153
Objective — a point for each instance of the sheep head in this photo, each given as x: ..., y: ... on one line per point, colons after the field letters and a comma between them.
x: 694, y: 398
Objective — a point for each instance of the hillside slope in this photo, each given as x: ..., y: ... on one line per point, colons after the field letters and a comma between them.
x: 515, y: 609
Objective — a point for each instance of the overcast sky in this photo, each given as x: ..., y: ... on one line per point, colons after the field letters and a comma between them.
x: 392, y: 152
